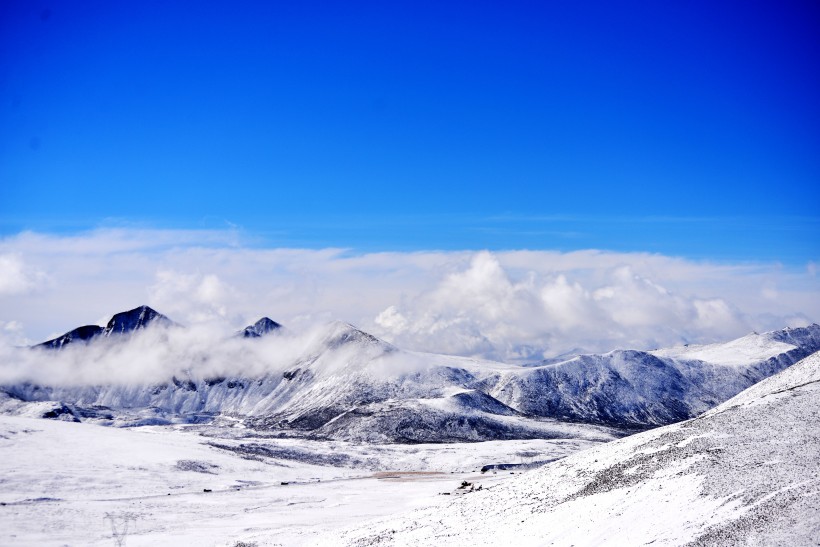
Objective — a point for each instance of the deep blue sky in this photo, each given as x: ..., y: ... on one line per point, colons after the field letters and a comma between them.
x: 688, y: 128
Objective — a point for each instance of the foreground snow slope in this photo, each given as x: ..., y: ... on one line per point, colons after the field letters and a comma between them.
x: 745, y: 472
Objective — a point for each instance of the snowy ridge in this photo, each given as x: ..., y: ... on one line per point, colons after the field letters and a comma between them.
x: 752, y: 347
x: 627, y: 388
x: 743, y: 473
x: 81, y: 334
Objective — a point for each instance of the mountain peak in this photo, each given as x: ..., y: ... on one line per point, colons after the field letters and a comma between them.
x: 262, y: 327
x: 341, y: 333
x: 136, y: 319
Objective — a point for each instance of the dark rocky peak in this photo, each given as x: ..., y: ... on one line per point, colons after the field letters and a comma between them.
x: 136, y: 319
x: 121, y: 323
x: 260, y: 328
x: 81, y: 334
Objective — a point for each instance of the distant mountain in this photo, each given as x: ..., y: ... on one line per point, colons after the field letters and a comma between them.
x: 260, y: 328
x: 345, y: 383
x: 136, y: 319
x: 627, y: 388
x: 743, y: 473
x: 122, y: 323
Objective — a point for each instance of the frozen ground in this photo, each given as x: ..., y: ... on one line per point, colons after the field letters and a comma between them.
x: 61, y: 481
x: 744, y: 473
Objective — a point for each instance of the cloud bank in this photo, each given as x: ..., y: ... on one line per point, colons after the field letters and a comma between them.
x: 510, y: 306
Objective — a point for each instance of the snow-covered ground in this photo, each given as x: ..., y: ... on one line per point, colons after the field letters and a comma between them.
x: 746, y: 472
x: 62, y: 483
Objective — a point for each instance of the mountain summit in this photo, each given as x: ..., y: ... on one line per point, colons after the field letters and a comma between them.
x: 262, y: 327
x: 136, y: 319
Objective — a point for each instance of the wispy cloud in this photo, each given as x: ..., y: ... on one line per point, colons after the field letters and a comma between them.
x: 503, y: 305
x: 200, y: 351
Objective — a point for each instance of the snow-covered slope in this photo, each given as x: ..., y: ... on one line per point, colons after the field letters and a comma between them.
x: 744, y: 473
x: 752, y: 347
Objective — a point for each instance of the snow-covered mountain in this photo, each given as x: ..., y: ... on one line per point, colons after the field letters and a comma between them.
x: 743, y: 473
x: 628, y: 388
x: 341, y: 382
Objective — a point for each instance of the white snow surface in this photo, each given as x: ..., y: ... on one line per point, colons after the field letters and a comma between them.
x: 744, y: 473
x: 749, y: 348
x: 61, y: 480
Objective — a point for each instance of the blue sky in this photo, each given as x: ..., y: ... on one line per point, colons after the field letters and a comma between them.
x: 688, y: 129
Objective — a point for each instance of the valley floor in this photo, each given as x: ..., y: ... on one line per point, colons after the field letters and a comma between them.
x: 75, y: 484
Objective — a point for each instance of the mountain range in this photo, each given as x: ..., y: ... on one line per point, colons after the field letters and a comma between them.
x: 121, y: 323
x: 344, y: 383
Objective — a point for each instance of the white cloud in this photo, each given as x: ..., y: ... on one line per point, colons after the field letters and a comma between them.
x: 18, y: 278
x: 197, y: 297
x: 507, y: 305
x: 482, y: 311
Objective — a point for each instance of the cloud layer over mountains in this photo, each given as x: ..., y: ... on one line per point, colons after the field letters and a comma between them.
x: 156, y: 354
x: 511, y: 305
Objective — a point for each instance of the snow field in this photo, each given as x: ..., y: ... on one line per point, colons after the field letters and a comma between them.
x: 61, y: 479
